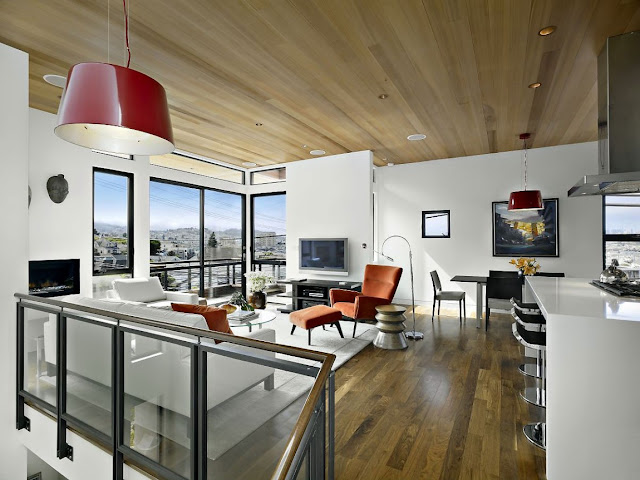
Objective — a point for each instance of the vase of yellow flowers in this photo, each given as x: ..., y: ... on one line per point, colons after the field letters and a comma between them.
x: 525, y: 266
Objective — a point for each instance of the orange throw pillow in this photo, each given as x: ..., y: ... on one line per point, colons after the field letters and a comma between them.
x: 215, y: 317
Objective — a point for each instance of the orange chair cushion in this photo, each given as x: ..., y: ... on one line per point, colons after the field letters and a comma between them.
x: 315, y: 316
x: 215, y: 317
x: 347, y: 309
x: 381, y: 281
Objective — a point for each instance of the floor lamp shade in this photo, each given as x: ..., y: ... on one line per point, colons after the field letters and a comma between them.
x: 114, y: 109
x: 525, y: 200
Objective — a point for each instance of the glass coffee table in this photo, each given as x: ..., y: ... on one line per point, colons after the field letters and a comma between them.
x: 262, y: 317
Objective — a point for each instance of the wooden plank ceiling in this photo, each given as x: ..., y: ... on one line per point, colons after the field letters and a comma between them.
x: 266, y: 81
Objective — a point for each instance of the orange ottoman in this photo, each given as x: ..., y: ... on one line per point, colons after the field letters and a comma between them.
x: 312, y: 317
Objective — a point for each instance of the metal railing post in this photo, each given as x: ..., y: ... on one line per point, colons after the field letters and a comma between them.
x: 64, y: 450
x: 21, y: 420
x: 117, y: 400
x: 189, y: 278
x: 201, y: 409
x: 332, y: 425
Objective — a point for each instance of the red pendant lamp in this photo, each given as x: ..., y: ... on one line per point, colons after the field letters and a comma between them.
x: 115, y: 109
x: 525, y: 199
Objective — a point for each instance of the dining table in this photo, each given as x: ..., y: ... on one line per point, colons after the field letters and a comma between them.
x: 480, y: 282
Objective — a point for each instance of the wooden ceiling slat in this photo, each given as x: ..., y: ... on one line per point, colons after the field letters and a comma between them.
x: 311, y: 70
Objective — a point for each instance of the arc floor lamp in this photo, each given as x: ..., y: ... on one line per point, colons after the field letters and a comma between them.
x: 413, y: 334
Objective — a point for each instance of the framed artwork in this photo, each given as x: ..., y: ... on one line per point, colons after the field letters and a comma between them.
x: 436, y: 224
x: 526, y: 233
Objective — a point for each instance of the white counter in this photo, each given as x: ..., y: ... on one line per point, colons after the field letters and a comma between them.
x: 593, y: 380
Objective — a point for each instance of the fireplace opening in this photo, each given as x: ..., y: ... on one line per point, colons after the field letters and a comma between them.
x: 52, y: 278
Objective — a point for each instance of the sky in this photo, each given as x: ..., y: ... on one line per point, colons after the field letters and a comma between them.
x: 110, y: 199
x: 174, y: 206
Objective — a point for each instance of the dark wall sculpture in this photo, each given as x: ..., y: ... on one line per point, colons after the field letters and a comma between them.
x: 58, y: 188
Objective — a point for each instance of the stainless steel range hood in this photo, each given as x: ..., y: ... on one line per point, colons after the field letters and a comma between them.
x: 618, y: 120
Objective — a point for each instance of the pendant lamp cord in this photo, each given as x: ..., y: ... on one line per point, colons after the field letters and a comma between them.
x: 126, y: 31
x: 108, y: 31
x: 525, y: 163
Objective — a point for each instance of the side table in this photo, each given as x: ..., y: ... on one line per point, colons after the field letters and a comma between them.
x: 391, y: 327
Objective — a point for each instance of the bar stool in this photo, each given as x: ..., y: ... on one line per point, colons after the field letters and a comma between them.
x: 531, y: 308
x: 530, y: 329
x: 532, y: 315
x: 535, y: 432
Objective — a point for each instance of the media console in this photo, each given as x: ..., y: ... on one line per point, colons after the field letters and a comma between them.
x: 310, y: 292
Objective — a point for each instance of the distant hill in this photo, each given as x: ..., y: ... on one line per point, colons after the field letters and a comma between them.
x: 110, y: 229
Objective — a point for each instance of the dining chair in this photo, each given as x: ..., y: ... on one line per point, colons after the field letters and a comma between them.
x: 439, y: 295
x: 501, y: 288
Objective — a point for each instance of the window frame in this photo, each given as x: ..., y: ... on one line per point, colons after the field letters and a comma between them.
x: 130, y: 219
x: 202, y: 189
x: 192, y: 156
x: 614, y: 237
x: 424, y: 223
x: 252, y: 229
x: 252, y: 172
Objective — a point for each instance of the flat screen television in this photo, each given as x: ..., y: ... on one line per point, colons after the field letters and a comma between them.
x: 324, y: 254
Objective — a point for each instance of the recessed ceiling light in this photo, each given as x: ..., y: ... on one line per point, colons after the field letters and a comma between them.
x: 535, y: 85
x: 55, y: 80
x: 416, y: 136
x: 249, y: 164
x: 390, y: 164
x: 304, y: 146
x: 547, y: 30
x: 258, y: 124
x: 382, y: 96
x: 317, y: 152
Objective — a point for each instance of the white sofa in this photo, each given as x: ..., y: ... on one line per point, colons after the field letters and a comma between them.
x: 155, y: 371
x: 148, y: 291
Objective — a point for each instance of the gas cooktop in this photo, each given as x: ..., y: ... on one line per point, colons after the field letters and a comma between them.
x: 619, y: 289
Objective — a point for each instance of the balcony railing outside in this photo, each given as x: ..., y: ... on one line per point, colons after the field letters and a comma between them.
x: 139, y: 410
x: 222, y: 276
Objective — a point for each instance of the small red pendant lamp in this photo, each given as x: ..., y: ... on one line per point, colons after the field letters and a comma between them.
x: 115, y: 109
x: 525, y: 199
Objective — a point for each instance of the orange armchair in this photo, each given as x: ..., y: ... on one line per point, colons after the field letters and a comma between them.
x: 378, y: 288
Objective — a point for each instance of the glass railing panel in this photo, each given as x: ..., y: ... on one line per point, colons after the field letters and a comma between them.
x: 157, y: 415
x: 253, y: 404
x: 40, y: 349
x: 89, y: 385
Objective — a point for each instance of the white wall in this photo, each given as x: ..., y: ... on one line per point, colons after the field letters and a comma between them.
x: 14, y: 131
x: 467, y: 186
x: 58, y: 231
x: 331, y: 197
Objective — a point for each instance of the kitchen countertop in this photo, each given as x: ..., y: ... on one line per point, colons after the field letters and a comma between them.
x: 576, y: 297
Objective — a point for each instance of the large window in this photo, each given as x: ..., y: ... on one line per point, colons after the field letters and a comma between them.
x: 621, y: 223
x: 269, y: 234
x: 196, y: 238
x: 223, y: 242
x: 112, y: 222
x: 112, y: 228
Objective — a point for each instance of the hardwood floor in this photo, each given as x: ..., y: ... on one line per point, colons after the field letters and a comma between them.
x: 447, y: 407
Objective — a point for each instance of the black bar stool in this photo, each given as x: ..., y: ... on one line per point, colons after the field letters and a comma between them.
x: 535, y: 432
x: 532, y: 315
x: 532, y: 335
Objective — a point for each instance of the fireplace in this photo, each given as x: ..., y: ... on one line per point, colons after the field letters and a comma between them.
x: 52, y: 278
